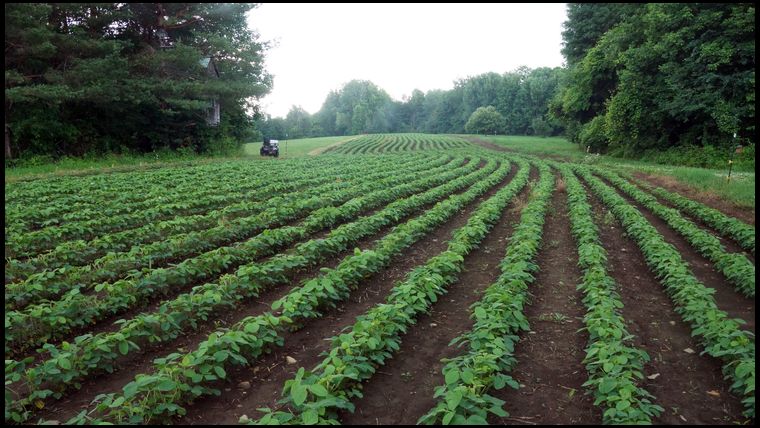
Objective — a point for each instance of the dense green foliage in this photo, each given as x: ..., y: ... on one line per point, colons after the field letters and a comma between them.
x: 83, y: 78
x: 714, y: 157
x: 359, y: 107
x: 586, y: 23
x: 485, y: 120
x: 520, y: 96
x: 659, y: 76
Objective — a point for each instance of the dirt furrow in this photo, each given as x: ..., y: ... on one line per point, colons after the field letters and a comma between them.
x: 549, y: 357
x: 728, y: 298
x: 688, y: 386
x: 402, y: 390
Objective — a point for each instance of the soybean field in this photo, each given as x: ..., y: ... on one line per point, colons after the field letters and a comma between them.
x: 394, y: 279
x: 386, y: 143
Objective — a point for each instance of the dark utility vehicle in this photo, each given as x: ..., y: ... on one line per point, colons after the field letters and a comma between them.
x: 270, y: 148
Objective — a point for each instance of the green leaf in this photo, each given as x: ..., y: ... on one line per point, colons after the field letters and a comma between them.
x: 298, y: 392
x: 512, y: 383
x: 467, y: 376
x: 318, y: 390
x: 607, y: 385
x: 451, y: 376
x: 124, y: 348
x: 610, y: 413
x: 220, y: 372
x: 499, y: 381
x: 130, y: 389
x: 622, y: 405
x: 310, y: 417
x: 453, y: 398
x: 117, y: 402
x: 166, y: 385
x: 64, y: 364
x: 220, y: 356
x: 476, y: 420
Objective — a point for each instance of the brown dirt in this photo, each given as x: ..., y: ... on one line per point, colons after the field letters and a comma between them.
x: 141, y: 362
x: 306, y: 345
x: 708, y: 198
x: 402, y: 390
x: 549, y: 357
x: 726, y: 296
x: 687, y: 382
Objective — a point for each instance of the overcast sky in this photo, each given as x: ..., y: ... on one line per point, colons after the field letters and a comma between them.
x: 399, y: 47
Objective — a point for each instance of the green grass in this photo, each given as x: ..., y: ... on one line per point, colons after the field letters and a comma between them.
x: 300, y: 147
x: 740, y: 190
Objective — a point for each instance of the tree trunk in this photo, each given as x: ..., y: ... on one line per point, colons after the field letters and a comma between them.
x: 7, y: 142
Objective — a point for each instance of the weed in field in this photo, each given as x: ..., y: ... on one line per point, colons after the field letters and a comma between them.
x: 554, y: 317
x: 608, y: 219
x: 591, y: 159
x: 560, y: 185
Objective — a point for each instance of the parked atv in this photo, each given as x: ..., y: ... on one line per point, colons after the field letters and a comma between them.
x: 270, y: 148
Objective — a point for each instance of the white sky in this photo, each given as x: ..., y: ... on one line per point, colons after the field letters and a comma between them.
x: 399, y: 47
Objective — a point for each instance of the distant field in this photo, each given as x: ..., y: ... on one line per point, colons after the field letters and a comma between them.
x: 403, y: 142
x: 302, y: 146
x: 553, y: 146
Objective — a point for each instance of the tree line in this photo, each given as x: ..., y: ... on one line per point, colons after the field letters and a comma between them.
x: 112, y: 77
x: 520, y: 97
x: 658, y: 76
